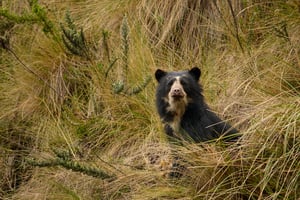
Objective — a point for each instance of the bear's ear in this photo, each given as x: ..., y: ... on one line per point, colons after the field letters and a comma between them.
x: 159, y: 74
x: 195, y: 72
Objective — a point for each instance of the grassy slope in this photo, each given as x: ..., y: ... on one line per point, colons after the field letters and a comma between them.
x: 250, y: 73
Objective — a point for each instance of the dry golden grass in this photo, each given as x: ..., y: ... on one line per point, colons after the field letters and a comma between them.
x: 249, y: 57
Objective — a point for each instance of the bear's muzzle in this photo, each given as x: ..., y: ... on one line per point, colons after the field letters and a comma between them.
x: 177, y: 93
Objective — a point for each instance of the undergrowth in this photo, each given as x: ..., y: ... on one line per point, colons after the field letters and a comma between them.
x: 77, y: 112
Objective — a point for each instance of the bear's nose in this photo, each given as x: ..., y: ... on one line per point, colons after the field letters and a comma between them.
x: 177, y: 92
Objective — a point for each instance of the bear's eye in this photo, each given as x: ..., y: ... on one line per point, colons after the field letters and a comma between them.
x: 183, y: 82
x: 170, y: 81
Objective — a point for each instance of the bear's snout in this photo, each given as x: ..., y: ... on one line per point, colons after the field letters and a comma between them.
x: 177, y: 93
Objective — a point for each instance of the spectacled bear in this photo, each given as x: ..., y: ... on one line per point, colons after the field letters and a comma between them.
x: 182, y: 108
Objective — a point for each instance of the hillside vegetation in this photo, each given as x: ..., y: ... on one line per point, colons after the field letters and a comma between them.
x: 77, y: 112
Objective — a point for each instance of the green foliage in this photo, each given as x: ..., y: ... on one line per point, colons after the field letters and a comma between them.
x: 137, y: 89
x: 38, y: 15
x: 74, y: 39
x: 9, y: 20
x: 122, y: 85
x: 75, y: 42
x: 118, y: 87
x: 125, y: 48
x: 63, y: 159
x: 19, y: 19
x: 41, y: 14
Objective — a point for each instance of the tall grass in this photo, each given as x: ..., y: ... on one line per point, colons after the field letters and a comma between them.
x: 248, y: 52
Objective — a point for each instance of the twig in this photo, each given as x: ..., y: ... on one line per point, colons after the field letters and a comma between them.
x: 30, y: 70
x: 235, y: 25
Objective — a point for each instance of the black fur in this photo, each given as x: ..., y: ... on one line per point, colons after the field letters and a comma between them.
x: 197, y: 122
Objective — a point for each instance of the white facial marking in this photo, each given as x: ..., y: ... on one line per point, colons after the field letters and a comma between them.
x: 177, y: 105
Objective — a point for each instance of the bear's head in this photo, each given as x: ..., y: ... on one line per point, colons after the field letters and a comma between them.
x: 178, y: 84
x: 177, y: 89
